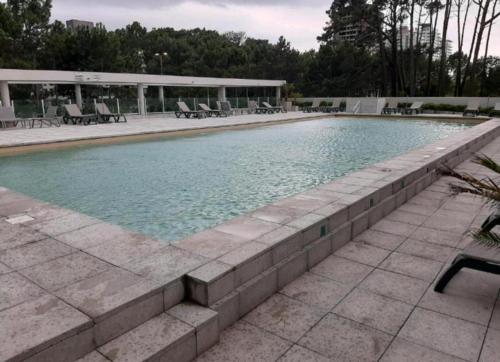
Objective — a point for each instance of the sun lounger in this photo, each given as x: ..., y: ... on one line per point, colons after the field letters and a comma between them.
x: 472, y: 108
x: 8, y: 119
x: 225, y: 106
x: 75, y: 116
x: 416, y: 108
x: 212, y: 112
x: 475, y: 256
x: 252, y: 107
x: 334, y: 107
x: 186, y: 112
x: 272, y: 109
x: 314, y: 107
x: 496, y: 111
x: 105, y: 115
x: 50, y: 119
x: 392, y: 107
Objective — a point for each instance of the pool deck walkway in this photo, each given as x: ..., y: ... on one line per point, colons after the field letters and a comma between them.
x: 71, y: 284
x: 137, y: 126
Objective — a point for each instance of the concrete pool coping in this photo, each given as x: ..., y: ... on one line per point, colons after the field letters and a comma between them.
x: 229, y: 269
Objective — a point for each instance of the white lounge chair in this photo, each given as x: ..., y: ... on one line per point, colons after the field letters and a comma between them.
x: 212, y: 112
x: 416, y: 108
x: 105, y: 114
x: 75, y: 116
x: 50, y: 119
x: 8, y: 119
x: 472, y: 108
x: 186, y: 112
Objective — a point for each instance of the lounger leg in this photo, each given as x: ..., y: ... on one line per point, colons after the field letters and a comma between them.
x: 459, y: 263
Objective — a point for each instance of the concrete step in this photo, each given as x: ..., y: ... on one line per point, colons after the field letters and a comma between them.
x: 180, y: 334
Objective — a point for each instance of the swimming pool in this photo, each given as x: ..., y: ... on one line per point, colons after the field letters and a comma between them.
x: 174, y: 187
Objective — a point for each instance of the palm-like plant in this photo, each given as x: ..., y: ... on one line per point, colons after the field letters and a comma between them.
x: 485, y: 188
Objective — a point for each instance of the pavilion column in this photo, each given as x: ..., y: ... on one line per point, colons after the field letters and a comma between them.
x: 161, y: 98
x: 278, y: 95
x: 78, y: 95
x: 4, y: 93
x: 140, y: 99
x: 222, y: 94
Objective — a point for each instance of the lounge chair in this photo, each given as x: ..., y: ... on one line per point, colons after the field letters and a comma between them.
x: 334, y: 107
x: 8, y: 119
x: 105, y: 114
x: 475, y: 257
x: 314, y: 107
x: 272, y: 109
x: 495, y: 111
x: 472, y: 109
x: 225, y: 106
x: 252, y: 107
x: 392, y: 107
x: 50, y: 119
x: 212, y: 112
x: 416, y: 108
x: 186, y: 112
x: 75, y: 116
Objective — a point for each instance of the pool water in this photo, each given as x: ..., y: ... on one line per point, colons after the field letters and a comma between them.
x: 174, y: 187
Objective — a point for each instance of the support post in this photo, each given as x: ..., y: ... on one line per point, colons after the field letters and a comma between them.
x: 161, y: 97
x: 78, y: 95
x: 278, y: 96
x: 222, y: 94
x: 4, y: 93
x: 140, y: 99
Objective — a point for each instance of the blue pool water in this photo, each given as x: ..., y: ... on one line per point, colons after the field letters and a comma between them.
x: 174, y: 187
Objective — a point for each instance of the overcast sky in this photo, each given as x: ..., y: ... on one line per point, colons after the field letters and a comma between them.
x: 300, y: 21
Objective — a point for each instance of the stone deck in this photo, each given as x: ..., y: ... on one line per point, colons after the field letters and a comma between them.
x: 137, y: 126
x: 71, y: 284
x: 373, y: 299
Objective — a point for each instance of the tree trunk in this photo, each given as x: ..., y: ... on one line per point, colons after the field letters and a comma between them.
x: 469, y: 57
x: 485, y: 57
x: 442, y: 61
x: 412, y: 55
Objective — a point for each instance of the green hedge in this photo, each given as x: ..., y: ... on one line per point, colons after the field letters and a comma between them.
x: 443, y: 107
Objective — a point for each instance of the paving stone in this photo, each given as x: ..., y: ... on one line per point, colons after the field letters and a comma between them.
x: 64, y: 224
x: 228, y: 309
x: 380, y: 239
x: 436, y: 236
x: 4, y: 269
x: 362, y: 252
x: 407, y: 217
x: 32, y: 326
x: 244, y: 342
x: 472, y: 282
x: 396, y: 286
x: 68, y: 269
x: 156, y: 339
x: 402, y: 350
x: 93, y: 356
x: 317, y: 291
x: 418, y: 209
x: 123, y: 251
x: 211, y: 282
x: 495, y: 318
x: 166, y: 264
x: 394, y: 227
x: 307, y: 221
x: 413, y: 266
x: 284, y: 316
x: 342, y: 270
x: 96, y: 234
x: 210, y: 243
x: 34, y: 253
x: 418, y: 200
x: 302, y: 203
x: 491, y: 349
x: 475, y: 309
x: 15, y: 289
x: 105, y: 292
x: 247, y: 227
x: 451, y: 221
x: 426, y: 250
x: 300, y: 354
x: 257, y: 290
x: 344, y: 340
x: 278, y: 215
x: 443, y: 333
x: 292, y: 267
x: 374, y: 310
x: 12, y: 236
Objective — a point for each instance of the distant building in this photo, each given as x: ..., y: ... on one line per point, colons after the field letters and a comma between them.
x: 350, y: 31
x: 425, y: 39
x: 74, y: 24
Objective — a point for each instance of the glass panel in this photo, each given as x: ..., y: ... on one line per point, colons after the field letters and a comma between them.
x: 26, y: 108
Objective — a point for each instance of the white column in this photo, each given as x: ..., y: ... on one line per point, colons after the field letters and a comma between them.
x: 4, y: 94
x: 78, y: 96
x: 278, y: 95
x: 161, y: 97
x: 140, y: 98
x: 222, y: 94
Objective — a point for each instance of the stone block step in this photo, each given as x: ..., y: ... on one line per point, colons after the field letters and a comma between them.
x: 180, y: 334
